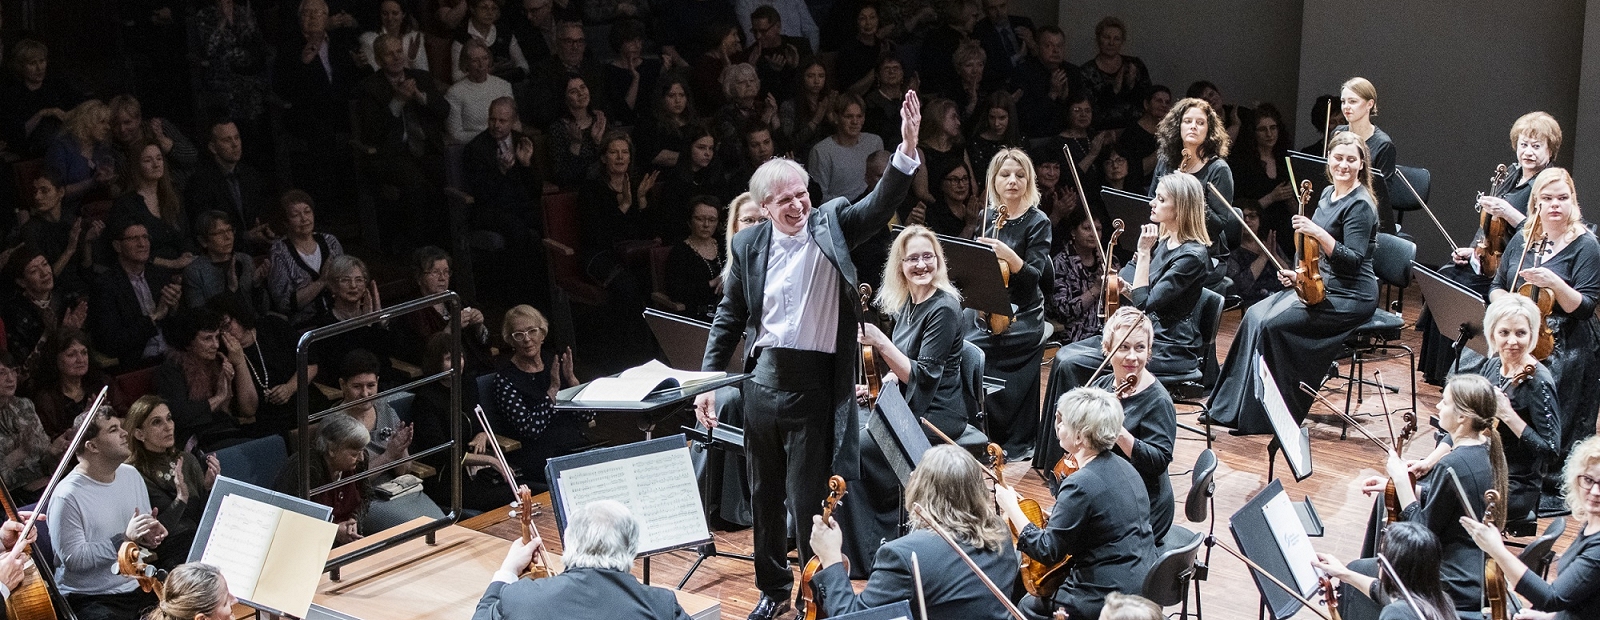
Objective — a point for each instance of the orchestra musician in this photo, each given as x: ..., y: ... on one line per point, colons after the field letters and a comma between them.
x: 947, y: 484
x: 790, y: 292
x: 1569, y: 268
x: 1149, y: 420
x: 1170, y: 270
x: 1467, y: 412
x: 599, y: 544
x: 12, y: 566
x: 1528, y: 427
x: 1358, y: 100
x: 194, y: 591
x: 924, y: 358
x: 1101, y: 516
x: 1023, y: 243
x: 1414, y: 551
x: 1298, y: 341
x: 1193, y: 139
x: 1572, y: 595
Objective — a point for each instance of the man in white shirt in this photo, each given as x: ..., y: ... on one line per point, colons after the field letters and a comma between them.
x: 790, y: 293
x: 96, y: 508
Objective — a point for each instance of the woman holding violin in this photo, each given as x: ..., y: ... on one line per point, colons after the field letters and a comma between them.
x: 1101, y: 517
x: 1572, y: 595
x: 924, y: 359
x: 948, y: 487
x: 1020, y: 235
x: 1563, y: 277
x: 1299, y: 340
x: 1149, y: 421
x: 1413, y: 549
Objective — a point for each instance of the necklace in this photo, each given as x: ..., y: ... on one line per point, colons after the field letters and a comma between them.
x: 262, y: 380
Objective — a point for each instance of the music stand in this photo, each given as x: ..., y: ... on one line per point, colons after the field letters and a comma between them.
x: 1257, y: 541
x: 1133, y: 209
x: 659, y: 406
x: 975, y: 271
x: 898, y: 432
x: 683, y: 340
x: 730, y: 440
x: 1457, y: 311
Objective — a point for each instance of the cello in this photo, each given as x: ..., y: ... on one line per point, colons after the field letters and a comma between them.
x: 1492, y: 231
x: 869, y: 357
x: 808, y: 592
x: 1308, y: 252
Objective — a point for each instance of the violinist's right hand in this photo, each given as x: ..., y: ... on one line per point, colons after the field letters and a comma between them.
x: 705, y: 409
x: 1374, y: 484
x: 1419, y: 467
x: 826, y: 541
x: 1287, y: 278
x: 12, y: 569
x: 1331, y: 565
x: 1148, y: 234
x: 1461, y: 256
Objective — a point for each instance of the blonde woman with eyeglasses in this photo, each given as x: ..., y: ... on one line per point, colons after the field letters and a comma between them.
x: 524, y: 394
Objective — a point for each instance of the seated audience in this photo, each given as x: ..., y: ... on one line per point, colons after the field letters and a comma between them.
x: 994, y: 128
x: 295, y: 282
x: 661, y: 135
x: 1075, y: 303
x: 970, y: 89
x: 470, y: 97
x: 574, y: 137
x: 205, y: 380
x: 269, y: 354
x: 130, y: 131
x: 1138, y: 140
x: 81, y: 155
x: 152, y: 202
x: 33, y: 103
x: 695, y: 265
x: 178, y: 483
x: 550, y: 77
x: 390, y: 441
x: 741, y: 88
x: 860, y: 53
x: 89, y: 518
x: 776, y: 57
x: 524, y: 392
x: 131, y: 298
x: 60, y: 237
x: 402, y: 116
x: 194, y: 591
x: 796, y: 20
x: 705, y: 75
x: 613, y: 220
x: 630, y: 78
x: 38, y: 306
x: 481, y: 25
x: 224, y: 182
x: 430, y: 269
x: 394, y: 19
x: 232, y: 61
x: 314, y: 73
x: 938, y: 73
x: 758, y: 148
x: 1253, y: 273
x: 883, y: 101
x: 219, y: 270
x: 500, y: 174
x: 338, y: 450
x: 1007, y: 39
x: 939, y: 146
x: 1115, y: 81
x: 483, y: 487
x: 803, y: 117
x: 699, y: 174
x: 27, y: 455
x: 352, y: 293
x: 1045, y: 80
x: 837, y: 161
x: 64, y: 380
x: 599, y: 545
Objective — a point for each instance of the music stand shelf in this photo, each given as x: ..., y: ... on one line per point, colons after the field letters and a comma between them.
x: 655, y: 408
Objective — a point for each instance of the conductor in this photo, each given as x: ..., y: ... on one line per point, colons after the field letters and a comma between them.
x: 790, y: 292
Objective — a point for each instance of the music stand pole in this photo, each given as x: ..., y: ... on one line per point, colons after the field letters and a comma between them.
x: 709, y: 550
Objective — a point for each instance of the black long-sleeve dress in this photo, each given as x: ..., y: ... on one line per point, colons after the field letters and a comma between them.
x: 1381, y: 154
x: 1101, y: 518
x: 1220, y: 226
x: 1013, y: 355
x: 1152, y: 420
x: 1575, y: 593
x: 1300, y: 341
x: 689, y: 276
x: 929, y: 334
x: 950, y: 587
x: 1573, y: 364
x: 1534, y: 400
x: 1177, y: 275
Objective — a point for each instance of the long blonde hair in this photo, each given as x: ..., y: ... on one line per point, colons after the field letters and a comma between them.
x: 948, y: 487
x: 1189, y: 208
x: 1584, y: 454
x: 896, y: 293
x: 1547, y: 176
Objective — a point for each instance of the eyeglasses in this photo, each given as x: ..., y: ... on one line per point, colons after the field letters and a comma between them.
x: 750, y: 221
x: 526, y: 334
x: 925, y: 257
x: 1585, y: 482
x: 349, y: 280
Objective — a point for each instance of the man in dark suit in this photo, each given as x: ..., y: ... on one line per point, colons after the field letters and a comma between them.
x: 313, y: 74
x: 600, y: 542
x: 791, y: 293
x: 499, y: 174
x: 402, y: 115
x: 224, y: 183
x: 131, y: 298
x: 1006, y: 39
x: 777, y: 57
x: 1046, y: 80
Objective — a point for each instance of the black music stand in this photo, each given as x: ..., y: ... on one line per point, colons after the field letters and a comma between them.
x: 1256, y: 540
x: 1457, y: 311
x: 897, y: 431
x: 1134, y: 211
x: 730, y: 440
x: 975, y: 271
x: 683, y: 340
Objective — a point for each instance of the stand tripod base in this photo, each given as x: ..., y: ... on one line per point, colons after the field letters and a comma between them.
x: 709, y: 550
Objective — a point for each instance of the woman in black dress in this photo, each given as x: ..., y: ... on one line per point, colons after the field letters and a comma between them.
x: 1573, y: 594
x: 1023, y: 243
x: 1169, y: 272
x: 699, y: 172
x: 1358, y: 100
x: 178, y: 482
x: 1467, y: 412
x: 1101, y: 516
x: 994, y: 128
x: 1414, y: 551
x: 923, y: 360
x: 153, y: 203
x: 524, y: 394
x: 1193, y: 140
x: 1569, y: 267
x: 957, y: 203
x: 661, y: 137
x: 1149, y: 421
x: 614, y: 218
x: 1115, y: 81
x: 1260, y: 175
x: 694, y: 265
x: 1298, y: 341
x: 939, y: 144
x: 1138, y: 140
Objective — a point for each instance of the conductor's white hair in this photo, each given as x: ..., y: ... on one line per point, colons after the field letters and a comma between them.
x: 767, y: 176
x: 601, y: 534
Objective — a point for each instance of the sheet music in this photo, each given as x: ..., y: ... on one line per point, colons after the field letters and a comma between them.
x: 240, y: 538
x: 1292, y: 541
x: 1284, y: 427
x: 294, y: 562
x: 658, y: 488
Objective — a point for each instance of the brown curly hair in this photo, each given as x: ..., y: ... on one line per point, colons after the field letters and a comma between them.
x: 1171, y: 144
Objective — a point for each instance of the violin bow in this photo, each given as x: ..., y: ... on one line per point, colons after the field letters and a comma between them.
x: 1235, y: 213
x: 61, y: 468
x: 511, y: 480
x: 1107, y: 360
x: 1345, y: 416
x: 988, y: 472
x: 1083, y: 203
x: 916, y: 509
x: 916, y: 578
x: 1404, y: 591
x: 1270, y: 577
x: 1427, y: 210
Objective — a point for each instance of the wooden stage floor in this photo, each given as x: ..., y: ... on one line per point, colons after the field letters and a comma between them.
x: 1242, y: 472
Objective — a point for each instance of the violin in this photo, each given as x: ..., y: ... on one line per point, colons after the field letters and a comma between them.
x: 1542, y: 297
x: 869, y: 357
x: 131, y: 562
x: 1039, y: 579
x: 1492, y: 231
x: 31, y: 599
x: 1308, y: 284
x: 999, y: 322
x: 1494, y: 580
x: 524, y: 510
x: 1111, y: 283
x: 1391, y: 498
x: 1125, y: 389
x: 808, y: 592
x: 1330, y: 596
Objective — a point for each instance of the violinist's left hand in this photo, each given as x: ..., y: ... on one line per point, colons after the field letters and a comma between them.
x: 1288, y: 278
x: 826, y: 540
x: 1396, y: 468
x: 871, y: 336
x: 1541, y: 277
x: 518, y: 557
x: 1374, y: 484
x: 1487, y: 538
x: 1305, y: 226
x: 1004, y: 252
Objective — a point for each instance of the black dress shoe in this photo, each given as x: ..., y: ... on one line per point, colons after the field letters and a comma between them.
x: 769, y: 608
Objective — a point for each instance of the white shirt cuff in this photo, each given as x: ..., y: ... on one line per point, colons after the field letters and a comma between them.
x: 503, y: 576
x: 903, y: 163
x: 5, y: 593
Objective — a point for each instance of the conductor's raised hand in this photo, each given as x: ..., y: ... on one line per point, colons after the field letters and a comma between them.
x: 910, y: 123
x: 705, y: 409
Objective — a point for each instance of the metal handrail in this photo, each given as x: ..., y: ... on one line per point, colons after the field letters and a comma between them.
x: 453, y: 305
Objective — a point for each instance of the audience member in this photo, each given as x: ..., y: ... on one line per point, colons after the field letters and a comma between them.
x: 803, y: 119
x: 470, y: 98
x: 27, y: 452
x: 575, y: 136
x: 314, y: 73
x: 534, y: 23
x: 1260, y: 176
x: 81, y: 155
x: 695, y: 265
x: 939, y: 144
x: 758, y: 148
x: 837, y: 161
x: 65, y: 379
x: 683, y: 27
x: 205, y: 380
x: 660, y: 135
x: 509, y: 63
x: 1008, y: 40
x: 482, y: 488
x: 794, y: 17
x: 352, y: 293
x: 1074, y: 303
x: 614, y: 224
x: 957, y: 207
x: 390, y: 441
x: 1058, y: 195
x: 499, y: 173
x: 969, y: 90
x: 957, y: 19
x: 441, y: 19
x: 705, y: 75
x: 884, y: 98
x: 395, y: 19
x: 524, y: 392
x: 1204, y: 89
x: 38, y: 306
x: 1250, y: 268
x: 1138, y: 140
x: 701, y: 173
x: 33, y: 103
x: 66, y: 241
x: 220, y: 270
x: 338, y: 450
x: 1078, y: 135
x: 225, y: 182
x: 177, y: 482
x: 859, y: 54
x: 776, y: 57
x: 551, y: 77
x: 131, y: 298
x: 295, y: 282
x: 152, y: 201
x: 430, y: 268
x: 1045, y: 80
x: 1115, y: 81
x: 130, y: 131
x: 741, y: 89
x: 402, y: 117
x: 233, y: 60
x: 994, y: 128
x: 630, y: 75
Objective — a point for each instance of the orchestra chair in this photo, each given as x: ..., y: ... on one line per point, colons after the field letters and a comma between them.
x: 658, y: 280
x: 129, y: 386
x: 1400, y: 197
x: 1541, y: 552
x: 257, y: 461
x: 1192, y: 388
x: 1177, y: 564
x: 974, y: 438
x: 1379, y: 338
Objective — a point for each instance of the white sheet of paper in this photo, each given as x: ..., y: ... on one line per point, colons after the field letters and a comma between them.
x: 294, y: 563
x: 1283, y: 424
x: 618, y: 389
x: 1292, y: 540
x: 240, y: 538
x: 657, y: 370
x: 659, y: 489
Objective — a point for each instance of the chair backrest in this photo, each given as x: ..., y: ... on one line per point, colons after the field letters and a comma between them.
x: 1196, y: 507
x: 1210, y: 321
x: 1392, y: 260
x: 491, y: 407
x: 561, y: 226
x: 972, y: 369
x: 401, y: 402
x: 129, y: 386
x: 658, y: 268
x: 1400, y: 196
x: 1167, y: 583
x: 1538, y: 554
x: 257, y: 461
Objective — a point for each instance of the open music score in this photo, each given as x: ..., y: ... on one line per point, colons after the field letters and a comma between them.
x: 659, y: 488
x: 270, y: 556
